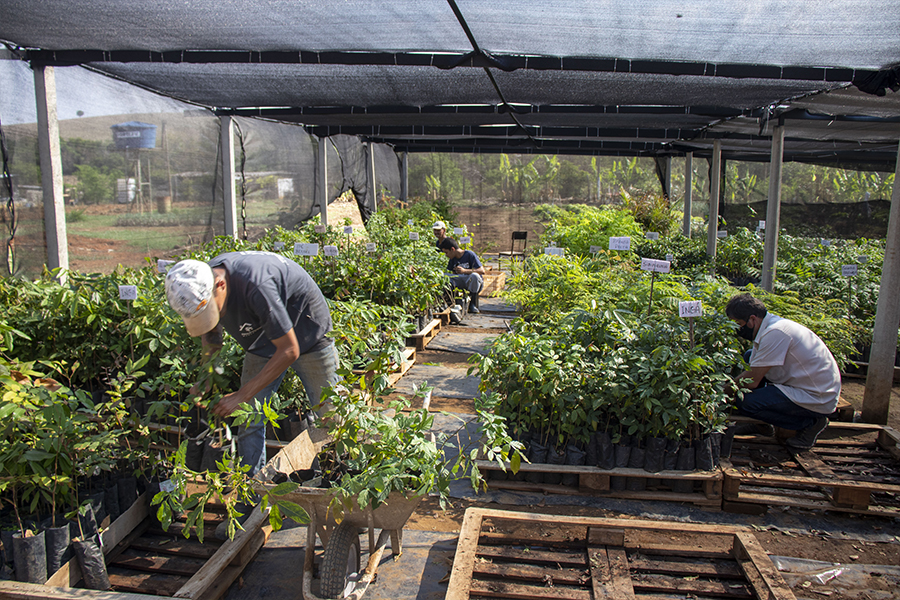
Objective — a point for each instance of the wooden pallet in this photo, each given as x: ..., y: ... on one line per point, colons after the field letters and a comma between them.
x: 854, y: 467
x: 503, y: 554
x: 592, y: 481
x: 407, y: 360
x: 146, y: 563
x: 421, y: 339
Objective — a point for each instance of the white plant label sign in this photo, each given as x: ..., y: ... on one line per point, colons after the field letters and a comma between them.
x: 826, y: 243
x: 620, y: 243
x: 654, y: 265
x: 849, y: 270
x: 458, y: 231
x: 304, y: 249
x: 348, y: 229
x: 690, y: 308
x: 595, y: 249
x: 330, y: 250
x: 863, y: 259
x: 163, y: 265
x: 652, y: 235
x: 127, y: 292
x: 465, y: 240
x: 370, y: 247
x: 414, y: 236
x: 670, y: 257
x: 319, y: 228
x: 721, y: 233
x: 278, y: 246
x: 167, y: 486
x: 555, y: 251
x: 762, y: 225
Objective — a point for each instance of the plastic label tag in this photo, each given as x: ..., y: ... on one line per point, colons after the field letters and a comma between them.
x: 348, y: 229
x: 330, y: 250
x: 863, y: 259
x: 163, y: 265
x: 652, y: 235
x: 762, y: 225
x: 410, y: 222
x: 458, y: 231
x: 465, y: 240
x: 690, y: 308
x: 319, y: 228
x: 167, y: 486
x: 595, y: 249
x: 414, y: 235
x: 304, y: 249
x: 620, y: 243
x: 127, y: 292
x: 370, y: 247
x: 654, y: 265
x: 826, y: 243
x: 278, y: 246
x: 555, y: 251
x: 849, y: 270
x: 721, y: 233
x: 670, y: 257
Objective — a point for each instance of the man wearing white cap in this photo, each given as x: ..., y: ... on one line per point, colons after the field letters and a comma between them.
x: 440, y: 231
x: 275, y: 311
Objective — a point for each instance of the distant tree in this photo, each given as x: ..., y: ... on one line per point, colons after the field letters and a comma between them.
x: 95, y: 186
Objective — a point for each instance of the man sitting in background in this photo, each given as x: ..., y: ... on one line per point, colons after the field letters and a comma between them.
x: 468, y: 270
x: 794, y: 379
x: 440, y: 232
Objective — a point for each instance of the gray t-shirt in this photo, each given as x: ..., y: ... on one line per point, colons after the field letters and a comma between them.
x: 268, y: 295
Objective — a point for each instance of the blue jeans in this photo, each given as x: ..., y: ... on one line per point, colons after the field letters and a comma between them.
x: 768, y: 403
x: 317, y: 370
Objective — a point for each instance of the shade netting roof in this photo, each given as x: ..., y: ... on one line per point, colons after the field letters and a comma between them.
x: 642, y: 77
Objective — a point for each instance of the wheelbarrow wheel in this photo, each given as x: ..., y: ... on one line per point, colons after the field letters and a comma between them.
x: 340, y: 563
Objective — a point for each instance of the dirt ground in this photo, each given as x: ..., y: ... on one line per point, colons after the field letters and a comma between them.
x: 431, y: 517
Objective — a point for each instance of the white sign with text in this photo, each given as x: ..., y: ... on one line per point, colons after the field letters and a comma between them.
x: 620, y: 243
x: 127, y: 292
x: 304, y: 249
x: 690, y: 308
x: 654, y: 265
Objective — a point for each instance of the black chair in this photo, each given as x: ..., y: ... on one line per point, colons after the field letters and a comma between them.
x: 517, y: 236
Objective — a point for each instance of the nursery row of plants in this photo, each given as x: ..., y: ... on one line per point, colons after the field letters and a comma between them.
x: 88, y: 378
x: 601, y: 370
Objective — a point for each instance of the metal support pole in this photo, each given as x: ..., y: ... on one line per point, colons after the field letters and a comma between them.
x: 688, y: 193
x: 667, y: 161
x: 773, y: 209
x: 51, y: 170
x: 226, y: 136
x: 404, y: 178
x: 370, y: 177
x: 322, y: 179
x: 714, y: 186
x: 880, y: 374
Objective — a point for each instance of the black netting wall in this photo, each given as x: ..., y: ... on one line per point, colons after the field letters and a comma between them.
x: 353, y: 157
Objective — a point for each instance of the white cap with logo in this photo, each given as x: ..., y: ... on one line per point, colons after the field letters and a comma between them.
x: 439, y: 225
x: 189, y: 289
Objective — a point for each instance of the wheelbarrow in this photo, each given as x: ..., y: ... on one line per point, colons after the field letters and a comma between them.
x: 340, y: 571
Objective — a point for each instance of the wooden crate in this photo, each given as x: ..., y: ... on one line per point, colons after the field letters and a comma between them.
x: 407, y: 361
x: 494, y: 281
x: 592, y: 481
x: 504, y: 554
x: 144, y: 563
x: 853, y: 467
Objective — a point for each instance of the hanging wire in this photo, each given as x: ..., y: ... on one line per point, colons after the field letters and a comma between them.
x: 240, y: 135
x: 10, y: 218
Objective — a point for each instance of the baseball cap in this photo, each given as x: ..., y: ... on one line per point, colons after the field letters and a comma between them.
x: 439, y: 225
x: 189, y: 289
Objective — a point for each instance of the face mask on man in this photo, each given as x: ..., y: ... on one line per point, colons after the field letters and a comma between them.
x: 746, y: 332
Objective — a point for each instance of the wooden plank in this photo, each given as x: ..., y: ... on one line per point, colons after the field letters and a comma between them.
x: 774, y: 480
x: 598, y: 482
x: 230, y: 573
x: 129, y: 539
x: 811, y: 463
x: 601, y: 584
x: 17, y: 590
x: 706, y: 568
x: 761, y: 574
x: 514, y: 591
x: 619, y: 574
x: 532, y: 555
x: 548, y: 575
x: 138, y: 560
x: 134, y: 581
x: 172, y: 545
x: 464, y: 561
x: 664, y: 583
x: 603, y: 536
x: 205, y: 577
